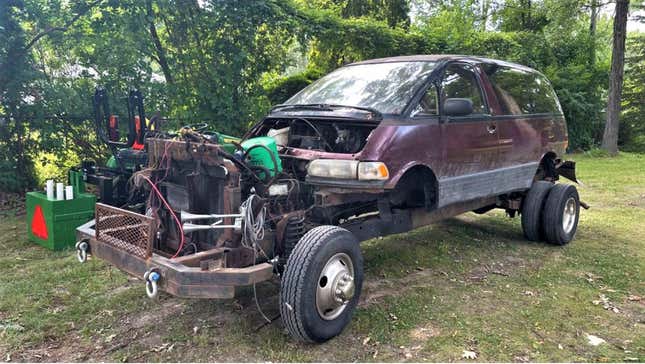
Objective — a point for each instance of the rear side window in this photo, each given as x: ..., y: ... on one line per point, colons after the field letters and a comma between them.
x: 521, y: 92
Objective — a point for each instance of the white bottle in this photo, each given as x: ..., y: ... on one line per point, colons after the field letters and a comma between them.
x: 60, y: 191
x: 69, y: 192
x: 50, y: 189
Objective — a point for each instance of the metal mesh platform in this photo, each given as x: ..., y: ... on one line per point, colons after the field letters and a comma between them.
x: 125, y: 230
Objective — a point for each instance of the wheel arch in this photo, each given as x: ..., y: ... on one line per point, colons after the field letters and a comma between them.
x: 415, y: 175
x: 546, y: 169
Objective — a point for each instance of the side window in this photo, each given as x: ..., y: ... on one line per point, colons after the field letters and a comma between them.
x: 460, y: 82
x: 428, y: 105
x: 520, y: 92
x: 546, y: 101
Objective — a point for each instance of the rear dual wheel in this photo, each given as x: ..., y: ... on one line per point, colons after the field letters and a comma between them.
x: 321, y: 284
x: 551, y: 212
x: 561, y: 213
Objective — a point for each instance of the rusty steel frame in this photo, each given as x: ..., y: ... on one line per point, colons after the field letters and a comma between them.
x: 180, y: 276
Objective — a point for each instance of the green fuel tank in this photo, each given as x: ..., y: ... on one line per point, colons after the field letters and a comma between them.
x: 262, y: 157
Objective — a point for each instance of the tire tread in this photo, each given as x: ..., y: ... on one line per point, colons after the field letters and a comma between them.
x: 532, y: 223
x: 552, y: 214
x: 293, y: 280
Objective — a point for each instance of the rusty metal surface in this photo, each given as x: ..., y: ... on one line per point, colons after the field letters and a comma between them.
x: 182, y: 151
x: 400, y: 221
x: 177, y: 278
x: 125, y: 230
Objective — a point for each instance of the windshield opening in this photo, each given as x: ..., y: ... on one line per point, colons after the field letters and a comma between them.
x: 386, y: 87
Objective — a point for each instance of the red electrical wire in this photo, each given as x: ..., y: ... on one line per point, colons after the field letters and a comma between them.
x: 181, y: 229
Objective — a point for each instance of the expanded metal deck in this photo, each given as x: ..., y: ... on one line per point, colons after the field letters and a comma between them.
x: 125, y: 230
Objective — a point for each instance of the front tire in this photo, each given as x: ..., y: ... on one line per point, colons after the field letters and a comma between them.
x: 561, y: 213
x: 321, y: 284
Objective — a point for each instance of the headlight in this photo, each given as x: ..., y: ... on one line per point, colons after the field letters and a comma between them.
x: 370, y: 171
x: 347, y: 169
x: 333, y: 168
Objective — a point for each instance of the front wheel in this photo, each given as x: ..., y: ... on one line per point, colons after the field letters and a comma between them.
x: 321, y: 284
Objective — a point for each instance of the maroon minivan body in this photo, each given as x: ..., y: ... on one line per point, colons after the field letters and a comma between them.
x: 435, y: 156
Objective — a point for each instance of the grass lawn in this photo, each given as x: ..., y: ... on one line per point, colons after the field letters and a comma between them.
x: 469, y: 283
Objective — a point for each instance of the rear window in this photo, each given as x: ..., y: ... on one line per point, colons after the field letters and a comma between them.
x: 521, y: 92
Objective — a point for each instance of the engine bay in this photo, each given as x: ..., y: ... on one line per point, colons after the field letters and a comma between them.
x: 207, y: 191
x: 327, y: 135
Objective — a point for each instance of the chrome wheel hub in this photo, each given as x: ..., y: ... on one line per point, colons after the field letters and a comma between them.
x: 335, y: 286
x: 569, y: 215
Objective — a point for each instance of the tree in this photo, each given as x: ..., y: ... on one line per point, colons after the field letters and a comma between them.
x: 16, y: 73
x: 632, y: 127
x: 610, y: 136
x: 225, y: 62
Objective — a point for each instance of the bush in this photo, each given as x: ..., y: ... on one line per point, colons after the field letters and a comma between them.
x: 14, y: 181
x: 282, y: 89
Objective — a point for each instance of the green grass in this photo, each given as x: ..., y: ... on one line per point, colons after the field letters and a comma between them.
x: 470, y: 282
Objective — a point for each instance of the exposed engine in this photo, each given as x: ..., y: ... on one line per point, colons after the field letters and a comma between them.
x: 211, y: 191
x: 329, y: 135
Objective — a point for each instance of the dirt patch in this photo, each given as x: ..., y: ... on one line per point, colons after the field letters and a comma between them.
x: 637, y: 202
x: 130, y: 328
x: 168, y: 308
x: 376, y: 289
x: 423, y: 333
x: 634, y: 310
x: 50, y: 351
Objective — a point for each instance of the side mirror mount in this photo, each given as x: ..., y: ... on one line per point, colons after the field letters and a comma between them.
x: 458, y: 107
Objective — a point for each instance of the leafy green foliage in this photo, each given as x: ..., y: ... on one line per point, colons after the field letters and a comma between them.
x: 280, y: 90
x: 227, y: 62
x: 16, y: 171
x: 632, y: 132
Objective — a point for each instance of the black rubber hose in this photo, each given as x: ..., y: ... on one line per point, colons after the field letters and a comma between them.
x: 240, y: 164
x: 275, y: 162
x: 264, y: 170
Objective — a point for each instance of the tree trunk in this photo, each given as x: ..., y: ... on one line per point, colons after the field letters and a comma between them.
x: 592, y: 31
x: 610, y: 137
x: 485, y: 8
x: 161, y: 52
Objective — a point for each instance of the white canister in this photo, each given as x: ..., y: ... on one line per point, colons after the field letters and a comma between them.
x: 49, y: 189
x: 69, y: 192
x: 281, y: 136
x: 60, y: 191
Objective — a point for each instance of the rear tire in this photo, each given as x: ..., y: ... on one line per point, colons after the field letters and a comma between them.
x: 321, y: 284
x: 561, y: 213
x: 532, y: 206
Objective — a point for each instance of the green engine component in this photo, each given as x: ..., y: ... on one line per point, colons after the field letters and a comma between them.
x: 226, y: 141
x: 262, y: 157
x: 111, y: 162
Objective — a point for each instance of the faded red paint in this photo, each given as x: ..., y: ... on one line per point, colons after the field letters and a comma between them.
x: 455, y: 148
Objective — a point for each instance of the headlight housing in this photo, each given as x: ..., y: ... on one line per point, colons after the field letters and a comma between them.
x: 333, y: 168
x: 373, y: 171
x: 348, y: 169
